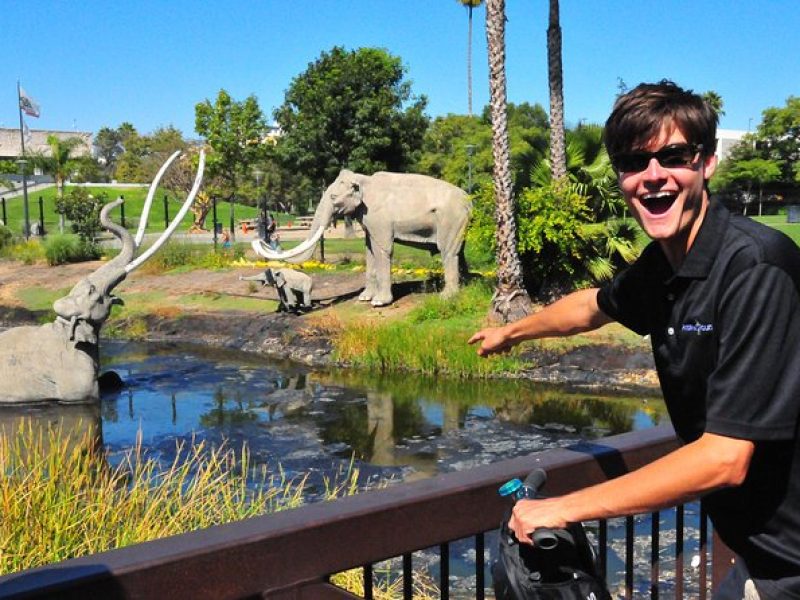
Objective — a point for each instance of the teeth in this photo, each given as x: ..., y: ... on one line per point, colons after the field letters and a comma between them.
x: 657, y: 195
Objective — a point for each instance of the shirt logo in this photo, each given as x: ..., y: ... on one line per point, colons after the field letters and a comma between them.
x: 697, y: 327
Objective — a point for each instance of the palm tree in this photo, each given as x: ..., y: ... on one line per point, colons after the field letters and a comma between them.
x: 469, y: 4
x: 558, y: 157
x: 511, y: 302
x: 60, y: 165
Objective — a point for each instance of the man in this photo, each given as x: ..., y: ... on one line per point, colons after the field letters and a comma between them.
x: 718, y: 295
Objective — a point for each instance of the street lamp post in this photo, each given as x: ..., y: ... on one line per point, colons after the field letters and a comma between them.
x: 26, y: 215
x: 470, y: 149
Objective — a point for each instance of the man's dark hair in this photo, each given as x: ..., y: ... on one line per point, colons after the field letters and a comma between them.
x: 638, y: 116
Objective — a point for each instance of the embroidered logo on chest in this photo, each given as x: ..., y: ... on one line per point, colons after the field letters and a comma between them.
x: 697, y: 327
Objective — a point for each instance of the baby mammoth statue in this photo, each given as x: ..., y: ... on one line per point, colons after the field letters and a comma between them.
x: 292, y: 286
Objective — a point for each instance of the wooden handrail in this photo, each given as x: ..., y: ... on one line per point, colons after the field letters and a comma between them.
x: 286, y: 552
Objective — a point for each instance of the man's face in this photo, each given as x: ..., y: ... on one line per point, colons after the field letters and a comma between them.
x: 669, y: 202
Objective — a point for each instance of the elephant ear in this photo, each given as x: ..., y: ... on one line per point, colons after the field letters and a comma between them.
x: 280, y: 279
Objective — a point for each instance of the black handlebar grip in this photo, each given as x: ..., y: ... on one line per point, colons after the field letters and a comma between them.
x: 535, y: 480
x: 544, y: 538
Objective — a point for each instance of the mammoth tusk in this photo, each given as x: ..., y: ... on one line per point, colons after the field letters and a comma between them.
x: 176, y: 221
x: 149, y: 200
x: 298, y: 253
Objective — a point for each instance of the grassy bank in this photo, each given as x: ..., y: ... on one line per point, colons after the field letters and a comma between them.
x: 61, y: 499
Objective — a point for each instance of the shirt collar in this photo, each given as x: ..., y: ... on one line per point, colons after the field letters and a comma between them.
x: 698, y: 261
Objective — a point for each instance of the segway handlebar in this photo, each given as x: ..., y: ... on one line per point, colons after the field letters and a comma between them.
x: 543, y: 538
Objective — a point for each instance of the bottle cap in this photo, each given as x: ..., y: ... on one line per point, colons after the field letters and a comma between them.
x: 509, y: 487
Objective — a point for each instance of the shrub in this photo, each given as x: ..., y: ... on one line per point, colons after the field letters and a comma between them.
x: 62, y: 249
x: 559, y: 242
x: 28, y: 252
x: 83, y: 211
x: 6, y: 237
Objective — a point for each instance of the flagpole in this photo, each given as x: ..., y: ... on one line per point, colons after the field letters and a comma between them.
x: 22, y: 162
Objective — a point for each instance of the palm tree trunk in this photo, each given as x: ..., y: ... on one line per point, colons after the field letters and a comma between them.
x: 558, y: 154
x: 60, y: 194
x: 469, y: 63
x: 510, y: 302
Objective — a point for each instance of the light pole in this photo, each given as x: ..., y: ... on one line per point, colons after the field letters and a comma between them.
x: 27, y: 226
x: 262, y: 206
x: 470, y: 149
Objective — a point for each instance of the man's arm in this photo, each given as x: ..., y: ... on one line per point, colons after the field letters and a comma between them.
x: 574, y: 313
x: 712, y: 462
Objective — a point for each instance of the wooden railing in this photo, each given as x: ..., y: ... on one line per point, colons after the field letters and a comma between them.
x: 291, y: 554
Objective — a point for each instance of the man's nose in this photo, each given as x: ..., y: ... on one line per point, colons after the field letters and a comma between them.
x: 654, y: 170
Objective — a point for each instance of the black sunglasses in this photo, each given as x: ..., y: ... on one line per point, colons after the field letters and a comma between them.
x: 672, y: 156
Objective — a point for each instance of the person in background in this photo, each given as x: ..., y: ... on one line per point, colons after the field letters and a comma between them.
x: 719, y: 296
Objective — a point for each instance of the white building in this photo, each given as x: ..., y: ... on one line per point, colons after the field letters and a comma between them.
x: 726, y: 140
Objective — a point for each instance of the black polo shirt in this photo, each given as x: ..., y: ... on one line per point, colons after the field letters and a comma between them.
x: 725, y: 331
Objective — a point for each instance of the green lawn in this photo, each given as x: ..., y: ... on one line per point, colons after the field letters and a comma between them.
x: 134, y: 201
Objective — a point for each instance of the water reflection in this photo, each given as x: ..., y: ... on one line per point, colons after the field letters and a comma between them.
x: 307, y: 422
x: 436, y: 425
x: 80, y: 423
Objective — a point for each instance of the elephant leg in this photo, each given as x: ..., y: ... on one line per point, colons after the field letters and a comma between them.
x: 291, y: 298
x: 371, y: 283
x: 450, y: 263
x: 307, y: 298
x: 383, y: 277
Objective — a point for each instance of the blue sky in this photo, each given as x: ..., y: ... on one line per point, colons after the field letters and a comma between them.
x: 92, y: 63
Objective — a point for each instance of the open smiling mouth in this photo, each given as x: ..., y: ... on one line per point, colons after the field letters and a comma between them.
x: 658, y: 204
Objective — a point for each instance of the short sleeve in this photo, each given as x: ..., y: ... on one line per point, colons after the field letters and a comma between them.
x: 628, y: 295
x: 753, y: 391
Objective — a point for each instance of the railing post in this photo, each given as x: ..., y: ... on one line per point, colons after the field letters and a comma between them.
x: 166, y: 212
x: 214, y: 218
x: 41, y: 216
x: 122, y: 211
x: 5, y: 217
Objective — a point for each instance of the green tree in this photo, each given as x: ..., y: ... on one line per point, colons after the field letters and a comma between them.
x: 470, y: 5
x: 108, y: 146
x: 59, y: 164
x: 714, y: 100
x: 779, y: 132
x: 351, y: 109
x: 511, y: 301
x: 458, y: 148
x: 558, y: 157
x: 236, y: 133
x: 754, y: 172
x: 143, y: 155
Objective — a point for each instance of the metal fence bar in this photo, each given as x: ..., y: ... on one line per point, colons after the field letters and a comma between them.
x: 602, y: 548
x: 703, y: 551
x: 679, y: 517
x: 480, y: 566
x: 655, y: 528
x: 368, y: 582
x: 444, y: 571
x: 408, y: 577
x: 629, y: 527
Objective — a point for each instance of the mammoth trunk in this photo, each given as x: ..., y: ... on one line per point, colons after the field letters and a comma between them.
x: 303, y: 251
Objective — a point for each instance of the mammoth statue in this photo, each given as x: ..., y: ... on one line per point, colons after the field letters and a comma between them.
x: 59, y: 361
x: 289, y: 284
x: 415, y: 210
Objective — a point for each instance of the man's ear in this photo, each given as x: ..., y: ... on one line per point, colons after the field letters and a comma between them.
x: 709, y: 166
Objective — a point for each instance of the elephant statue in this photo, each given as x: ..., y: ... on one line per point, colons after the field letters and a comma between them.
x: 59, y: 361
x: 414, y: 210
x: 290, y: 284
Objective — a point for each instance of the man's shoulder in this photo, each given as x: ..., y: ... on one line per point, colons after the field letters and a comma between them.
x: 751, y: 243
